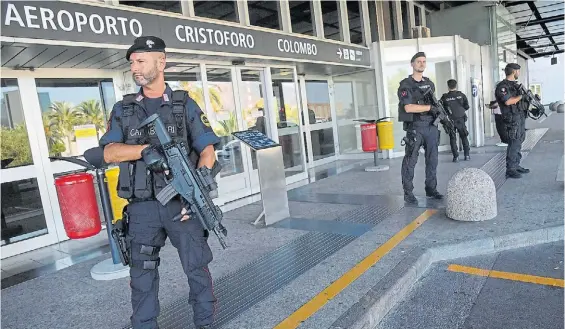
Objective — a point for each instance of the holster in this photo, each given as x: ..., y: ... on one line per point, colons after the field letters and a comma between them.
x: 119, y: 233
x: 409, y: 140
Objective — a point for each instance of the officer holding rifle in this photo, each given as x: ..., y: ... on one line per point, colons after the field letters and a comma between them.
x: 149, y: 222
x: 419, y: 119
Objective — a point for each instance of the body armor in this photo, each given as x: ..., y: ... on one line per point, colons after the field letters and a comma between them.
x: 136, y: 182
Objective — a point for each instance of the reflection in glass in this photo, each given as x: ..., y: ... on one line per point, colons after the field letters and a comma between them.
x: 74, y: 113
x: 169, y: 6
x: 15, y: 143
x: 319, y: 111
x: 22, y: 211
x: 222, y: 10
x: 253, y: 105
x: 264, y: 14
x: 317, y: 94
x: 288, y: 124
x: 322, y: 143
x: 224, y: 120
x: 301, y: 17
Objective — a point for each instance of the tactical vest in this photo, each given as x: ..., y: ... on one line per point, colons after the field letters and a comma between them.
x: 404, y: 116
x: 136, y: 182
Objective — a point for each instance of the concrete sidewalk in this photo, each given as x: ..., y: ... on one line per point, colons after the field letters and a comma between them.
x: 269, y: 273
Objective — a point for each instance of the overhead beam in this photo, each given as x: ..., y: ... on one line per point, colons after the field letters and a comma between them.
x: 543, y: 46
x: 549, y: 53
x: 547, y: 35
x: 514, y: 3
x: 534, y: 9
x: 541, y: 21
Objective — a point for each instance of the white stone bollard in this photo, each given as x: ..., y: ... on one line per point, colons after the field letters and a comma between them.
x: 471, y: 196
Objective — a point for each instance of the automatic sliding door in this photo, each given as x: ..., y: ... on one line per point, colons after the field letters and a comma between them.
x: 24, y: 191
x: 319, y: 115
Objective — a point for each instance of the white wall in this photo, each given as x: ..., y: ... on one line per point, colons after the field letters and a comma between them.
x: 549, y: 76
x: 470, y: 21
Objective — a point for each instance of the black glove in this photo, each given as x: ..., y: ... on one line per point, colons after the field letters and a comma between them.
x: 153, y: 158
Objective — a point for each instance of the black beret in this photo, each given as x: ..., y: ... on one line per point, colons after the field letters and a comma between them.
x: 513, y: 66
x: 418, y: 54
x: 146, y: 44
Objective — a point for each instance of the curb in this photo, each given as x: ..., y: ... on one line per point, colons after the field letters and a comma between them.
x: 369, y: 311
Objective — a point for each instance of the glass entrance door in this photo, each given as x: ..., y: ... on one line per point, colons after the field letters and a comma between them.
x: 318, y: 121
x: 27, y: 218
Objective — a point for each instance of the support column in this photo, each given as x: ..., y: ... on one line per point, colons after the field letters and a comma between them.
x: 343, y: 21
x: 187, y: 7
x: 284, y: 18
x: 243, y: 12
x: 366, y: 23
x: 397, y: 19
x: 318, y: 18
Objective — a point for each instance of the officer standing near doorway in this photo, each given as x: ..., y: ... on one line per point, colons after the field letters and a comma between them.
x: 508, y: 96
x: 149, y: 222
x: 456, y: 104
x: 418, y: 115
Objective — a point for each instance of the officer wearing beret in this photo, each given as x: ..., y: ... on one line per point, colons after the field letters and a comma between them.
x: 509, y: 97
x: 415, y: 111
x: 149, y: 222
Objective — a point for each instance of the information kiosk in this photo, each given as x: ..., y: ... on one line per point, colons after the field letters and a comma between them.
x: 272, y: 179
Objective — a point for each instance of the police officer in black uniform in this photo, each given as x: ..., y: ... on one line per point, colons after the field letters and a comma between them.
x: 456, y: 104
x: 415, y: 111
x: 509, y: 98
x: 149, y: 222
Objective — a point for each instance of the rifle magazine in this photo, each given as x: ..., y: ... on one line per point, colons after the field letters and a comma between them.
x: 166, y: 194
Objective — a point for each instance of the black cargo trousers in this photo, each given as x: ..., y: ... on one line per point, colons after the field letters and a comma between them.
x: 149, y: 225
x: 514, y: 123
x: 461, y: 129
x: 420, y: 133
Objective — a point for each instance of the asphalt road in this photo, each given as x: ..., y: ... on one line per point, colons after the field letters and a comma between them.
x: 518, y: 289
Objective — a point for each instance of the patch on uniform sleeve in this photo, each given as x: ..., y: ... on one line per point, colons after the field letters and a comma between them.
x: 503, y: 90
x: 204, y: 120
x: 404, y: 93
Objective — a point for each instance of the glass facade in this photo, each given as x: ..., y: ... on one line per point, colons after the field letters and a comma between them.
x: 310, y: 113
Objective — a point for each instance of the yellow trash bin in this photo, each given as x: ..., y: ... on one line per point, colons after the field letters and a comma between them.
x: 118, y: 203
x: 386, y: 135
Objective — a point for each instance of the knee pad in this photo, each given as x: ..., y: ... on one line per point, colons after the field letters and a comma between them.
x: 145, y: 257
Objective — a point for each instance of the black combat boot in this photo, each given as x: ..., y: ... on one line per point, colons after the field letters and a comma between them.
x: 410, y: 198
x: 522, y: 170
x: 512, y: 173
x: 467, y: 157
x: 456, y: 159
x: 434, y: 194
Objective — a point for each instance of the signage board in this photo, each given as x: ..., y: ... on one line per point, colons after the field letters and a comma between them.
x: 69, y: 21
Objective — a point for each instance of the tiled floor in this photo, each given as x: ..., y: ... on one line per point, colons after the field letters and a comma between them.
x: 53, y: 258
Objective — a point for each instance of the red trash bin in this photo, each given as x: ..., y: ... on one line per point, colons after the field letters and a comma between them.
x: 369, y: 137
x: 79, y: 206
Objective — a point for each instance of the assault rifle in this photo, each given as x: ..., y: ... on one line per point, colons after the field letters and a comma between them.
x: 440, y: 113
x: 534, y: 108
x: 193, y: 185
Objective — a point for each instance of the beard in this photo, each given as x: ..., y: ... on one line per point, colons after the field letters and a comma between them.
x: 146, y: 78
x: 516, y: 76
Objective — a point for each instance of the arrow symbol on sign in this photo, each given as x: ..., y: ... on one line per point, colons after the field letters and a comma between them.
x: 339, y: 52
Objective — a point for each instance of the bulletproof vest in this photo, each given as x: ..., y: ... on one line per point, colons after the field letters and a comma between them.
x: 454, y: 101
x: 136, y: 181
x: 511, y: 89
x: 417, y: 96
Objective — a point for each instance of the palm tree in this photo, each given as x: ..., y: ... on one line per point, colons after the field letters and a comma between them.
x: 91, y: 113
x: 195, y: 92
x: 62, y: 118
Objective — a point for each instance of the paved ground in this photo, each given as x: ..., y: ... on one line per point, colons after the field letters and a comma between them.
x: 302, y: 258
x: 452, y: 295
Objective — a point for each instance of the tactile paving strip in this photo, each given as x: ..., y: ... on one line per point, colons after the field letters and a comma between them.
x: 240, y: 290
x: 496, y: 167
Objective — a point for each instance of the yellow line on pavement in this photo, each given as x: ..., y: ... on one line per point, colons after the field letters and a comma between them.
x: 507, y: 275
x: 316, y: 303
